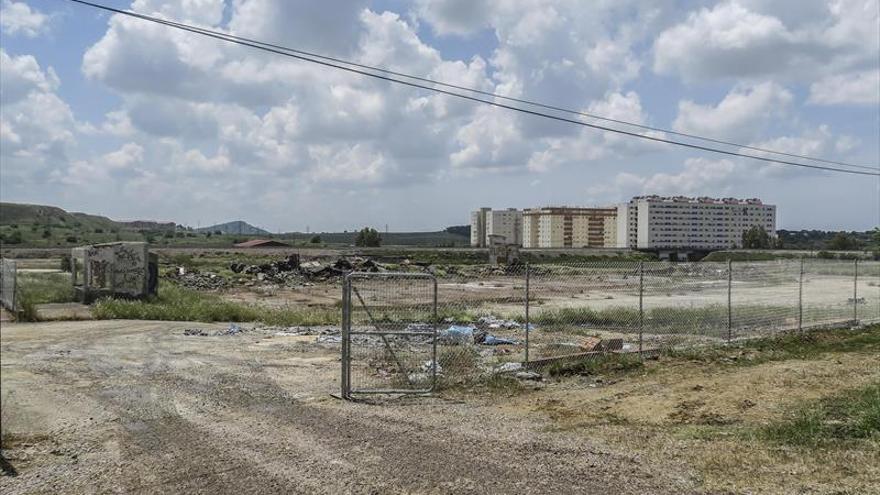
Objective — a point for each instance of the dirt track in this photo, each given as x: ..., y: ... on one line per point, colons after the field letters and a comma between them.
x: 138, y: 407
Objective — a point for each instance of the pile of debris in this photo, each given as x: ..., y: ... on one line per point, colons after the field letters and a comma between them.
x: 316, y: 270
x: 291, y: 270
x: 198, y: 280
x: 289, y: 264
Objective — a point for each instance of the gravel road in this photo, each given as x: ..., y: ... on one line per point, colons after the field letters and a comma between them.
x: 139, y: 407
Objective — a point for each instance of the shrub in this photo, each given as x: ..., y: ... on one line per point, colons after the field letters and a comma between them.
x: 368, y: 237
x: 14, y: 238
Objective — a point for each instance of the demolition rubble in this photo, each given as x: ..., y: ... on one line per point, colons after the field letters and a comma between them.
x: 292, y: 272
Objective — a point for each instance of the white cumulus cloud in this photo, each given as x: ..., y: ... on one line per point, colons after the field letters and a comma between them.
x: 19, y: 18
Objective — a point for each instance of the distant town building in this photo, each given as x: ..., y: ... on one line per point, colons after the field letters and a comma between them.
x: 507, y: 224
x: 562, y: 227
x: 655, y: 222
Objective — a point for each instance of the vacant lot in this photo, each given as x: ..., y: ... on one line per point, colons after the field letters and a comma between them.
x: 140, y: 407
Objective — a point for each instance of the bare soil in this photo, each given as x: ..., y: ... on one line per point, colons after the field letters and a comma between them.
x: 139, y: 407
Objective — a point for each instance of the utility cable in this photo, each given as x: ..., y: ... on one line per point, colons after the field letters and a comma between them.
x: 323, y: 61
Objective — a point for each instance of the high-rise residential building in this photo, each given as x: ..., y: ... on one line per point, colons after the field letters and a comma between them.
x: 478, y: 227
x: 648, y: 222
x: 505, y: 223
x: 560, y: 227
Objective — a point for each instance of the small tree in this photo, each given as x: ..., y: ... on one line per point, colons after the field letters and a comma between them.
x: 844, y: 242
x: 14, y: 237
x: 368, y: 237
x: 756, y: 238
x: 315, y: 239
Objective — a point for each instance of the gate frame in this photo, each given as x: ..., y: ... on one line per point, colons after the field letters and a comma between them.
x: 347, y: 332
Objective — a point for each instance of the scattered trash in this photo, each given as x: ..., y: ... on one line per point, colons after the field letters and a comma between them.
x: 419, y: 327
x: 609, y: 345
x: 457, y: 334
x: 429, y: 364
x: 528, y: 375
x: 419, y: 378
x: 493, y: 340
x: 590, y: 343
x: 328, y: 339
x: 232, y: 330
x: 198, y: 281
x: 493, y: 322
x: 195, y: 331
x: 508, y: 367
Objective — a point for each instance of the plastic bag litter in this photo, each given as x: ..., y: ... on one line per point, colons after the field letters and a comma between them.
x: 457, y: 334
x: 427, y: 365
x: 493, y: 340
x: 508, y: 367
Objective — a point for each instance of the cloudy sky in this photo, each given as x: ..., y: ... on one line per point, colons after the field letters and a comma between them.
x: 117, y: 116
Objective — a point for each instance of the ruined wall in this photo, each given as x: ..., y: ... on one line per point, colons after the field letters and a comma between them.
x: 130, y: 270
x: 99, y: 269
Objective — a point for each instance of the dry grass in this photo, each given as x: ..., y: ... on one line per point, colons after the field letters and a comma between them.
x: 735, y: 428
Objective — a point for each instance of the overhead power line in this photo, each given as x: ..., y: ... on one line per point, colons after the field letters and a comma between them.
x: 364, y: 70
x: 503, y: 97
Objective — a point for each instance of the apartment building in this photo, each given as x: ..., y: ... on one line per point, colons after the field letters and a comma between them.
x: 505, y: 223
x: 558, y: 227
x: 655, y: 222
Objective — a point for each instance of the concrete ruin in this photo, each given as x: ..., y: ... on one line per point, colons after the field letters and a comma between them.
x: 116, y: 269
x: 502, y: 252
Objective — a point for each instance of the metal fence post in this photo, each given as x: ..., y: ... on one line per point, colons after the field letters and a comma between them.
x: 434, y: 325
x: 729, y: 300
x: 641, y: 303
x: 346, y: 329
x: 527, y: 312
x: 801, y: 298
x: 856, y: 291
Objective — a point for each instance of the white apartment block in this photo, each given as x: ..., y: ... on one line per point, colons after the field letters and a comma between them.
x: 505, y: 223
x: 560, y: 227
x: 648, y: 222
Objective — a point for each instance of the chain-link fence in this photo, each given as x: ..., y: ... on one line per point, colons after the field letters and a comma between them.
x: 470, y: 320
x: 8, y: 284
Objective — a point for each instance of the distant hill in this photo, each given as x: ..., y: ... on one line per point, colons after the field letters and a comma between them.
x: 28, y: 225
x: 462, y: 230
x: 53, y: 216
x: 237, y: 227
x: 26, y: 214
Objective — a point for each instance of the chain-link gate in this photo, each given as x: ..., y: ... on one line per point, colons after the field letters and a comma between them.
x: 389, y: 333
